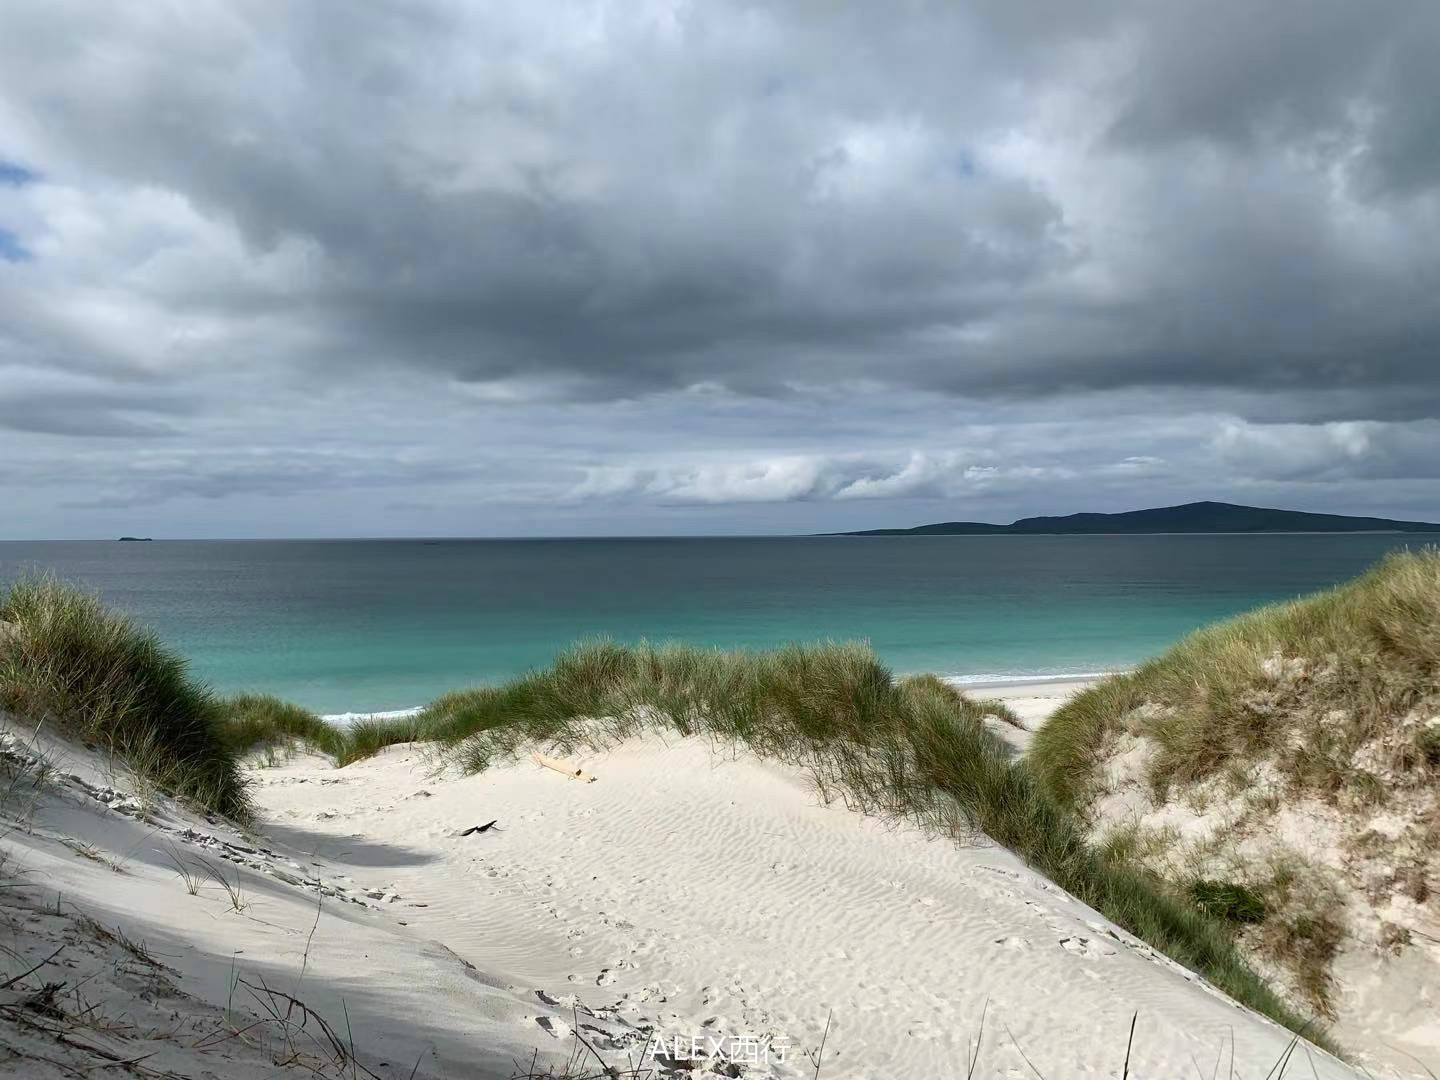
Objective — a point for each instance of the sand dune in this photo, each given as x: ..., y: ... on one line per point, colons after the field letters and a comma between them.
x: 689, y: 892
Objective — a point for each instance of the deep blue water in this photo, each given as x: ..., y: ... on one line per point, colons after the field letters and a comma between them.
x: 367, y: 625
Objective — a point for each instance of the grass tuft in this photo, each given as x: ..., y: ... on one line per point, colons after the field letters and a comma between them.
x: 1229, y: 900
x: 1307, y: 683
x: 68, y: 660
x: 251, y: 722
x: 1330, y: 700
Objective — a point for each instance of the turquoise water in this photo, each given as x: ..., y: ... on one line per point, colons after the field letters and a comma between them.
x: 371, y: 625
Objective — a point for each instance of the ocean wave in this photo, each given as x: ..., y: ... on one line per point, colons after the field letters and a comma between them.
x: 994, y: 679
x: 390, y: 714
x: 981, y: 679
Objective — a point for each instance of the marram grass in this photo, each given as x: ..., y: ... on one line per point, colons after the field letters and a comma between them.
x: 1329, y: 697
x: 66, y: 659
x: 1257, y: 686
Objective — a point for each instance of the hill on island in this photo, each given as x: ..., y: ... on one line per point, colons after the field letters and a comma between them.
x: 1197, y: 517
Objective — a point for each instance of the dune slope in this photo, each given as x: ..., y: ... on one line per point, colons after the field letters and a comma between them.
x: 688, y: 890
x: 685, y: 892
x: 1284, y: 768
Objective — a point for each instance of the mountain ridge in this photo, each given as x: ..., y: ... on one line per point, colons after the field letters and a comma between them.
x: 1196, y: 517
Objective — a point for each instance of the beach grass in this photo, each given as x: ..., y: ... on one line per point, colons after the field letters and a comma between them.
x: 255, y: 721
x: 67, y: 660
x: 1330, y: 700
x: 1304, y: 684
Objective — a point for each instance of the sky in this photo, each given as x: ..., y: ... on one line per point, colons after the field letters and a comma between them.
x: 447, y: 268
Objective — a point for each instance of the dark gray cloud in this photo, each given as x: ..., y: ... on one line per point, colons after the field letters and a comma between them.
x: 734, y: 255
x: 90, y: 414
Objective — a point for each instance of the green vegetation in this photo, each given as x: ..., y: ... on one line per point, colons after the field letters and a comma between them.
x: 254, y: 721
x: 913, y: 748
x: 1305, y: 684
x: 66, y: 659
x: 1228, y: 900
x: 1332, y: 699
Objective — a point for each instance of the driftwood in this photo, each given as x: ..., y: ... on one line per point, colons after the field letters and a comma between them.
x: 564, y: 767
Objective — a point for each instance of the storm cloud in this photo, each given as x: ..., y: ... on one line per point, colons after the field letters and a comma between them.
x: 601, y: 267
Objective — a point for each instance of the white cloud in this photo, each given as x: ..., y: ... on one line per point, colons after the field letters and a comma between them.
x: 749, y: 266
x: 1333, y: 451
x: 799, y: 478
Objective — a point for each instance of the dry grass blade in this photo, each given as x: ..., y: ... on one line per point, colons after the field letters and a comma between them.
x: 819, y: 1057
x: 191, y: 879
x: 1021, y: 1051
x: 238, y: 901
x: 296, y: 1019
x: 974, y: 1057
x: 8, y: 983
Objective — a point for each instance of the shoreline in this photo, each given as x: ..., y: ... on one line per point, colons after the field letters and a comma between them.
x: 1033, y: 702
x: 1004, y: 687
x: 1007, y: 685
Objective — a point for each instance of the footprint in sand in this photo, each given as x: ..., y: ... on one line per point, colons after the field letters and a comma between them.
x: 1085, y: 947
x: 553, y: 1025
x: 1104, y: 931
x: 603, y: 1040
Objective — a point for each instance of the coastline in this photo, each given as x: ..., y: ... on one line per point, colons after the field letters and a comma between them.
x: 378, y: 714
x: 1032, y: 701
x: 436, y: 618
x: 1024, y: 693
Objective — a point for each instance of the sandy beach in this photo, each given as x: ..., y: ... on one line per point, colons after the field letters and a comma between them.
x: 690, y: 894
x: 1034, y: 701
x: 663, y: 540
x: 1031, y: 702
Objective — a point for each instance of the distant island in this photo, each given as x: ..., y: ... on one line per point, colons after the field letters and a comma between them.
x: 136, y: 539
x: 1196, y: 517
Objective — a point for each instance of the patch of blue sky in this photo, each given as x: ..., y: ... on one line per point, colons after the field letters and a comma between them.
x: 13, y: 175
x: 11, y: 250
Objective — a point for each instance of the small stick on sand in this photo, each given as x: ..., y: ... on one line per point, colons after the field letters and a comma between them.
x: 564, y: 767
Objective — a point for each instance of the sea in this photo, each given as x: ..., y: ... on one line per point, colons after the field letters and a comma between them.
x: 361, y: 626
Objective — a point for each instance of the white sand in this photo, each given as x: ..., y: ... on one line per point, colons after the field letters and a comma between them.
x: 698, y: 893
x: 1033, y: 702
